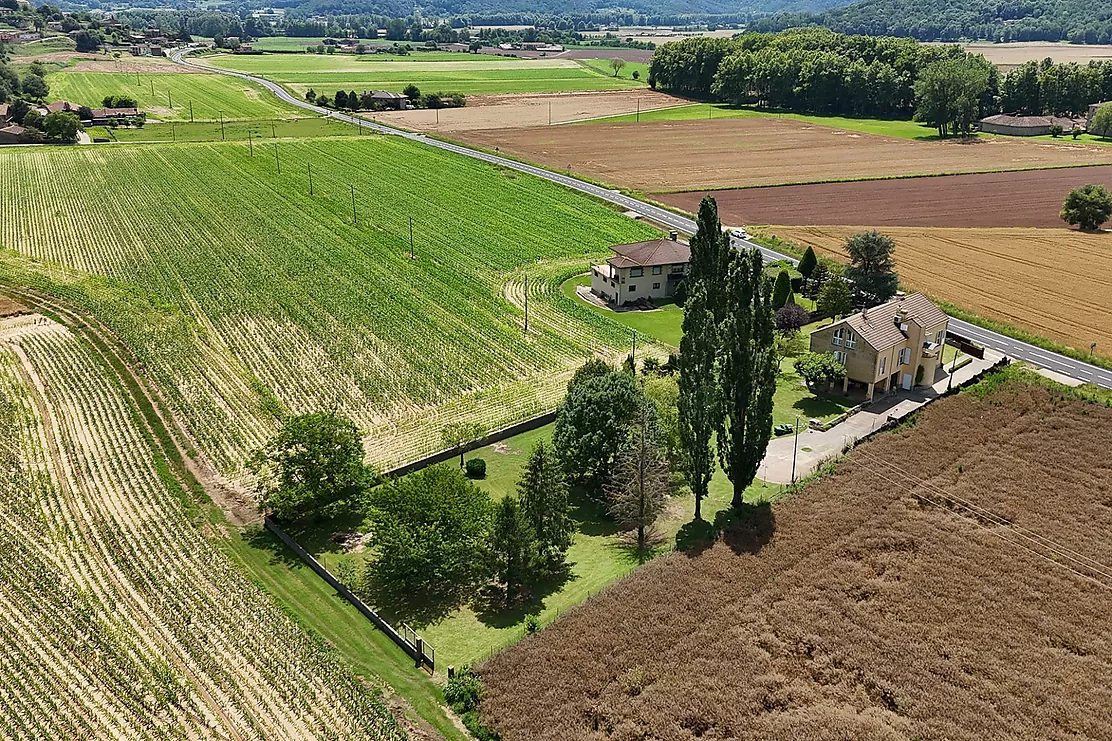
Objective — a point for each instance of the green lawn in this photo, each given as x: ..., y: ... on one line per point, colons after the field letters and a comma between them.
x: 597, y: 557
x: 663, y: 324
x: 170, y: 96
x: 703, y: 111
x: 212, y: 131
x: 602, y: 66
x: 468, y: 74
x: 319, y: 609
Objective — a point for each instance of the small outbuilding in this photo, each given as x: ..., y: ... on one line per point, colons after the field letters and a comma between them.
x: 12, y: 134
x: 1013, y: 125
x: 387, y: 99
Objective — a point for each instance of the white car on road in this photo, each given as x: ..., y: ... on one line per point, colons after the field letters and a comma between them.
x: 738, y: 232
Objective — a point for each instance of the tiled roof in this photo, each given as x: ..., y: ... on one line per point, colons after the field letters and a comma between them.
x: 653, y: 252
x: 1028, y: 122
x: 113, y: 112
x: 878, y: 325
x: 60, y: 105
x: 14, y: 130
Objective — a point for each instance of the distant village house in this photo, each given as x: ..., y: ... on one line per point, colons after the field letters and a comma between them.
x: 1012, y: 125
x: 884, y: 348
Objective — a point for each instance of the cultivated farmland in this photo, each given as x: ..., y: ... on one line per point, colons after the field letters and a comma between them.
x: 1054, y: 283
x: 866, y: 606
x: 211, y: 95
x: 246, y: 298
x: 118, y: 619
x: 724, y: 153
x: 1030, y: 198
x: 484, y: 75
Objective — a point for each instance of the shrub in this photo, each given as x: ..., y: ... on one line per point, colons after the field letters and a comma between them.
x: 532, y: 625
x: 1055, y: 130
x: 462, y: 692
x: 411, y: 91
x: 919, y: 375
x: 476, y: 468
x: 816, y: 368
x: 790, y: 317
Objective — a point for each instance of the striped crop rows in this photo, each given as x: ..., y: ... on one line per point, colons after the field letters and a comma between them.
x: 245, y: 297
x: 118, y: 619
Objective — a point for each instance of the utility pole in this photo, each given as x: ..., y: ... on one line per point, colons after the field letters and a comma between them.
x: 276, y: 160
x: 795, y: 447
x: 354, y: 215
x: 272, y: 135
x: 251, y: 143
x: 527, y: 304
x: 310, y: 178
x: 221, y: 125
x: 636, y: 120
x: 550, y: 113
x: 953, y: 367
x: 1092, y: 349
x: 169, y: 98
x: 191, y: 111
x: 410, y: 237
x: 152, y: 87
x: 633, y: 354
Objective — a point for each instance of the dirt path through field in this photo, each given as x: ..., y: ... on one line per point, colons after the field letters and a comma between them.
x: 1055, y: 283
x: 999, y: 199
x: 662, y: 156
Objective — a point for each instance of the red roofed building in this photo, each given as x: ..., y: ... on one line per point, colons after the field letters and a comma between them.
x: 642, y: 270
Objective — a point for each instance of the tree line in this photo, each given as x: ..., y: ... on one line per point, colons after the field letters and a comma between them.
x: 1076, y: 21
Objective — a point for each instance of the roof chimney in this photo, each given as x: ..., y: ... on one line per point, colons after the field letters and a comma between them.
x: 674, y: 235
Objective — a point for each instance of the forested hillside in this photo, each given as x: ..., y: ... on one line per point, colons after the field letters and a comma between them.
x: 1078, y: 21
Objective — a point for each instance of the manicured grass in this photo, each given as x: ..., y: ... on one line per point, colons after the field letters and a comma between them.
x: 602, y: 66
x: 664, y: 324
x: 211, y: 95
x: 42, y: 46
x: 319, y: 609
x: 710, y: 111
x: 212, y: 131
x: 794, y: 401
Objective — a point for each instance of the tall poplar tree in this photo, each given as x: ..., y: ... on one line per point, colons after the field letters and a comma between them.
x: 699, y: 410
x: 748, y: 371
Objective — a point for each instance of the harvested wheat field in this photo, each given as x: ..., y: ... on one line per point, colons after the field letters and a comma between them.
x: 1056, y: 283
x: 880, y: 608
x: 661, y: 156
x: 520, y: 111
x: 1026, y: 198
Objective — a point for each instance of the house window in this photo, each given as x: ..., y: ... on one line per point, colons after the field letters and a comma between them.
x: 656, y: 286
x: 636, y: 272
x: 883, y: 364
x: 632, y: 288
x: 851, y: 339
x: 905, y: 356
x: 656, y: 270
x: 938, y: 337
x: 840, y: 356
x: 837, y: 338
x: 678, y: 268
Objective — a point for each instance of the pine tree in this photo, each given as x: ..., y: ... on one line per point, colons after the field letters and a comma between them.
x: 748, y: 372
x: 511, y: 546
x: 544, y: 499
x: 872, y: 270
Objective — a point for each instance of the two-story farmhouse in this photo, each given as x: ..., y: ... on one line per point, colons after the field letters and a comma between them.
x: 884, y: 347
x: 642, y: 270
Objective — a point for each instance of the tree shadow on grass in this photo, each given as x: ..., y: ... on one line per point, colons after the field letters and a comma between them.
x: 748, y: 529
x: 419, y: 607
x: 261, y: 539
x: 495, y: 611
x: 319, y: 535
x: 822, y: 406
x: 590, y: 514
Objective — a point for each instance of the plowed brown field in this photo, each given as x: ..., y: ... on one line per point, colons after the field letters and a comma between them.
x: 880, y: 609
x: 692, y: 155
x: 1055, y: 283
x: 1026, y: 198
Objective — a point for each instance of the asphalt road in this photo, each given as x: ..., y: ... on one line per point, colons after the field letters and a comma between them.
x: 1013, y: 348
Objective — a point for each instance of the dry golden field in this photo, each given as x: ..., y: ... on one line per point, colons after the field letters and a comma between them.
x: 949, y: 581
x: 734, y: 152
x: 1056, y: 283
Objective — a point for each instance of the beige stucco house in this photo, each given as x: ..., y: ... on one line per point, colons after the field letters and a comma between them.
x: 884, y: 347
x: 642, y: 270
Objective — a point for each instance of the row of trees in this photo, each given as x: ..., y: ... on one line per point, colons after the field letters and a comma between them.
x: 1036, y: 88
x: 352, y: 101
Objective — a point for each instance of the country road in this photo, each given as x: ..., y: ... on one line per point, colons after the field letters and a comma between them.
x: 1014, y: 349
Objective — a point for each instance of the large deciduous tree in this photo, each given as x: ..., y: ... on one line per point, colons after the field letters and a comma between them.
x: 835, y: 298
x: 949, y: 94
x: 871, y: 269
x: 314, y: 461
x: 1087, y: 207
x: 1102, y: 121
x: 748, y: 372
x: 458, y: 435
x: 592, y: 425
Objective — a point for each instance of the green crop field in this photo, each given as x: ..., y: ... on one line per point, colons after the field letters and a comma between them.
x: 704, y: 111
x: 167, y: 97
x: 245, y: 297
x: 469, y: 74
x: 212, y: 131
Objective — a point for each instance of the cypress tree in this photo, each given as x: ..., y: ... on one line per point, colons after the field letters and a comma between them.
x: 782, y: 289
x: 808, y: 262
x: 698, y: 393
x: 544, y: 499
x: 748, y: 372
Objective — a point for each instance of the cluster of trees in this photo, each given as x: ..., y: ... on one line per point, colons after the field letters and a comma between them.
x: 1076, y: 21
x: 1037, y: 88
x: 30, y: 86
x: 352, y: 101
x: 23, y: 94
x: 438, y: 537
x: 812, y: 70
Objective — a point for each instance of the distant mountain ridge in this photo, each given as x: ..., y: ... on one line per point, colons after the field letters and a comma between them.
x: 1078, y: 21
